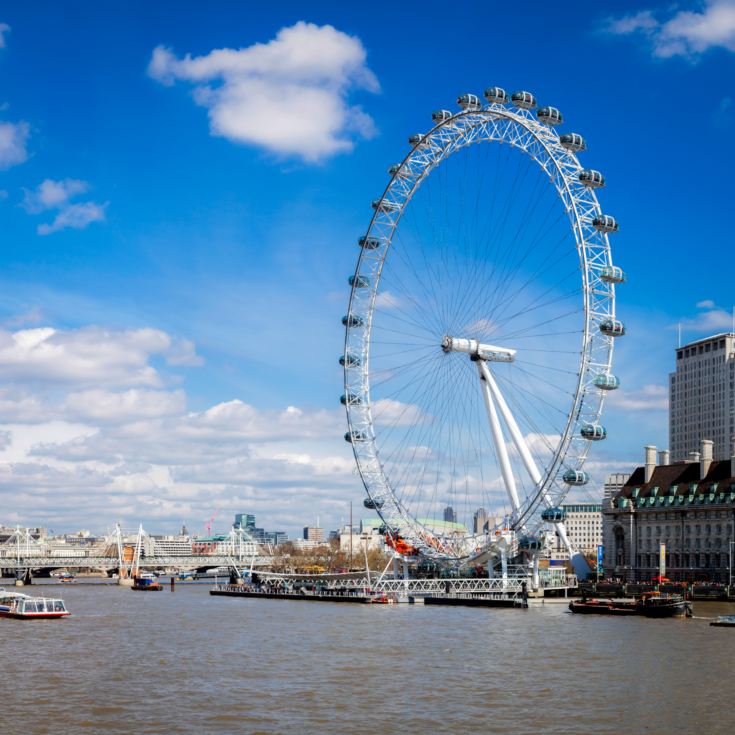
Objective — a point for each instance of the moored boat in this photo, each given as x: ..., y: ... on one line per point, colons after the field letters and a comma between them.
x: 146, y: 583
x: 650, y: 605
x: 724, y: 621
x: 605, y: 606
x: 24, y: 607
x: 655, y: 605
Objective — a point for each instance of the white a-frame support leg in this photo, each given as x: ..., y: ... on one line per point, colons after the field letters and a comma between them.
x: 498, y: 439
x: 515, y: 432
x: 521, y: 445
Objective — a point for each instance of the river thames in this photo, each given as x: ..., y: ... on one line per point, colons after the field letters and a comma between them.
x: 185, y: 662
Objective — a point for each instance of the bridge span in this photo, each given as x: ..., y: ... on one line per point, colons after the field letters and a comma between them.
x: 110, y: 563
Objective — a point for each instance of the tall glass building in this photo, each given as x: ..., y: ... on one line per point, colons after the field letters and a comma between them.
x: 702, y: 397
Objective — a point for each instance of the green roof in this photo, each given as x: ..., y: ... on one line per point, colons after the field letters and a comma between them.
x: 441, y: 525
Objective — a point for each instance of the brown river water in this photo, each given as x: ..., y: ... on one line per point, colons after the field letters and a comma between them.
x: 185, y: 662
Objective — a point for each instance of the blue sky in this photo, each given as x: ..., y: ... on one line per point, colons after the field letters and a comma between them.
x: 191, y: 252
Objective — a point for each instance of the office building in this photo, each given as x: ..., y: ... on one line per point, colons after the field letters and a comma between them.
x: 584, y: 527
x: 314, y: 534
x: 245, y: 521
x: 449, y: 515
x: 702, y: 397
x: 479, y: 521
x: 613, y: 485
x: 172, y: 545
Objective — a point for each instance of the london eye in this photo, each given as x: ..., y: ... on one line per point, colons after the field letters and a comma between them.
x: 479, y: 333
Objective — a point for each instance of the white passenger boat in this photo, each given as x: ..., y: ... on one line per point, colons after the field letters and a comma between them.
x: 24, y: 607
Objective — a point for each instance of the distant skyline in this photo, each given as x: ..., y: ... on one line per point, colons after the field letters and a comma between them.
x: 181, y: 189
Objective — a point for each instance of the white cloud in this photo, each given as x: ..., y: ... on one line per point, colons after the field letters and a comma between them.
x: 76, y: 216
x: 34, y: 315
x: 13, y: 142
x: 686, y: 33
x: 647, y: 398
x: 82, y: 356
x: 183, y: 353
x: 52, y: 194
x: 92, y: 432
x: 390, y: 412
x: 643, y: 21
x: 712, y: 318
x: 386, y: 300
x: 288, y: 96
x: 135, y: 404
x: 4, y: 30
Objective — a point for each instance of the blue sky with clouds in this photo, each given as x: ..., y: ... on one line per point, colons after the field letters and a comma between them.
x: 181, y: 189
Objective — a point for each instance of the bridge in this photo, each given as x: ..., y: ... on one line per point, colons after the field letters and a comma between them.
x: 22, y: 554
x: 111, y: 563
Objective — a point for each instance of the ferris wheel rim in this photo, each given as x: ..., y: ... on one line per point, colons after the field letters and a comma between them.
x: 388, y: 213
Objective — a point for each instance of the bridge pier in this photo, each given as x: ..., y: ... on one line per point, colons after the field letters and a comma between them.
x: 23, y: 577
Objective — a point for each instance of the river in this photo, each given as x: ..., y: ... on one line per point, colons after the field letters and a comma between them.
x: 184, y: 662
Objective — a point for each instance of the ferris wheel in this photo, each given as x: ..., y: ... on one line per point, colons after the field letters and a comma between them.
x: 480, y: 328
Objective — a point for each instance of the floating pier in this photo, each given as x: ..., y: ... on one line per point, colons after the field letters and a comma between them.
x: 234, y: 590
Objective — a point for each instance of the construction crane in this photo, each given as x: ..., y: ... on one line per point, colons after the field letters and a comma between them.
x: 209, y: 523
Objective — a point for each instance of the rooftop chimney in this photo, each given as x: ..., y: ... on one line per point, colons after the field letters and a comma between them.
x: 705, y: 447
x: 650, y: 461
x: 663, y: 457
x: 693, y: 457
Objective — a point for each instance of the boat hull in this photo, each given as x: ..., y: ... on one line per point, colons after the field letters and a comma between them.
x: 33, y: 616
x: 674, y: 606
x: 603, y: 607
x: 672, y: 609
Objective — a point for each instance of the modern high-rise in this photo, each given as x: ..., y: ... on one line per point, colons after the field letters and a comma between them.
x: 479, y: 521
x: 449, y: 515
x: 245, y: 521
x: 702, y: 397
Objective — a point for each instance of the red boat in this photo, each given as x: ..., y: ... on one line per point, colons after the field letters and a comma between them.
x: 24, y: 607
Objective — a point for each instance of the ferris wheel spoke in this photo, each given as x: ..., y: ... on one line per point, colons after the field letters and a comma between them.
x: 501, y: 320
x: 505, y: 277
x: 555, y: 254
x: 410, y: 322
x: 421, y: 386
x: 426, y: 438
x: 552, y: 368
x: 528, y: 330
